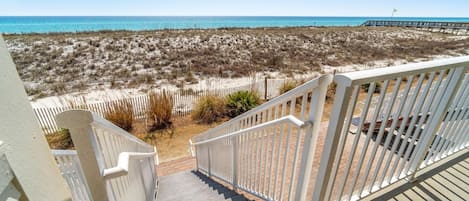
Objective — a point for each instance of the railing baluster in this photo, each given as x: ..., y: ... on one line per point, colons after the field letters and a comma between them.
x: 435, y: 122
x: 368, y: 136
x: 407, y: 113
x: 357, y: 138
x: 380, y: 136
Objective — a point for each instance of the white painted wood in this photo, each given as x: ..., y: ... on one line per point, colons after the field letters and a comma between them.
x: 79, y: 124
x: 70, y: 168
x: 265, y: 140
x: 7, y: 189
x: 10, y: 193
x: 362, y: 77
x: 28, y: 152
x: 341, y: 99
x: 311, y: 135
x: 117, y: 165
x: 286, y: 119
x: 412, y: 103
x: 437, y: 118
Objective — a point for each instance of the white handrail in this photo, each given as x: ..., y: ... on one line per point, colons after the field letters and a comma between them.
x: 362, y: 77
x: 122, y: 167
x: 106, y: 152
x: 393, y: 133
x: 286, y: 119
x: 258, y: 150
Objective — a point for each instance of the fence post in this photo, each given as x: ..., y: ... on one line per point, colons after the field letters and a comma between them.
x: 341, y: 101
x: 311, y: 135
x: 265, y: 88
x: 27, y: 150
x: 433, y: 126
x: 78, y: 123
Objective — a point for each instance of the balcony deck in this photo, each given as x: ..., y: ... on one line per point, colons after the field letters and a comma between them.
x: 445, y: 180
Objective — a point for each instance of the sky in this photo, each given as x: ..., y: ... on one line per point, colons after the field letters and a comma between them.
x: 405, y: 8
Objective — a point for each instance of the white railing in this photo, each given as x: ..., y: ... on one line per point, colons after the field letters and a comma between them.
x: 116, y: 164
x: 70, y: 168
x: 453, y: 133
x: 419, y: 115
x: 370, y: 146
x: 262, y: 154
x: 255, y: 159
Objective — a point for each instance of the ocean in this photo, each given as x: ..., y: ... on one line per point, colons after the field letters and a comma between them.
x: 50, y: 24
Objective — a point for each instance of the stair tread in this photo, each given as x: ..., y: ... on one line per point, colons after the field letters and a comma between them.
x: 194, y: 186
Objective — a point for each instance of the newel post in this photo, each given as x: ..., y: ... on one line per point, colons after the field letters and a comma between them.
x: 341, y: 101
x: 78, y: 123
x: 311, y: 136
x: 26, y: 149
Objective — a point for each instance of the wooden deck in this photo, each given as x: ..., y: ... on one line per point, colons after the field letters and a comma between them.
x: 445, y: 180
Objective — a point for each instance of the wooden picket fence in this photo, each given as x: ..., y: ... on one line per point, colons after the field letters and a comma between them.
x: 183, y: 102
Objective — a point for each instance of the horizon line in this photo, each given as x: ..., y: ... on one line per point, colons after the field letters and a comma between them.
x: 227, y: 16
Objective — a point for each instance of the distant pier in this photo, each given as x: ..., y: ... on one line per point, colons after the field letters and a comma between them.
x: 458, y: 28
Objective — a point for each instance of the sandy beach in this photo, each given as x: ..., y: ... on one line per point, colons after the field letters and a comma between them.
x: 97, y: 63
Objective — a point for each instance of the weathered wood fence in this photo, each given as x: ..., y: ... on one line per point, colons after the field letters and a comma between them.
x: 183, y: 102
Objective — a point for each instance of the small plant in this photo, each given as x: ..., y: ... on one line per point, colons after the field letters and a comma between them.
x: 366, y: 87
x: 240, y: 102
x: 209, y: 109
x: 121, y: 113
x: 60, y: 140
x: 287, y: 86
x: 160, y: 110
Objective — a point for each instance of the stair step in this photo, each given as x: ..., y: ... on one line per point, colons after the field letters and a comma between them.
x: 194, y: 186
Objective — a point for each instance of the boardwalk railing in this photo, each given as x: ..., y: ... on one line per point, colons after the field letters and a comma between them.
x: 419, y: 24
x: 375, y: 149
x: 116, y: 165
x: 184, y: 101
x: 273, y: 158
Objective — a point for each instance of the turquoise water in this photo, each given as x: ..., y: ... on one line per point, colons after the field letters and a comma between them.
x: 78, y: 24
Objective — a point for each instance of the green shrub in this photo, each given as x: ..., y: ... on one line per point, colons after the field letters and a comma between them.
x: 209, y: 109
x: 120, y: 113
x: 160, y: 110
x: 240, y: 102
x: 287, y: 86
x: 366, y: 87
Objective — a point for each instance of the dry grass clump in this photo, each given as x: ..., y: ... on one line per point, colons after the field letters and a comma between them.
x: 287, y: 86
x: 126, y: 59
x: 160, y: 110
x: 120, y: 113
x: 60, y: 140
x: 209, y: 109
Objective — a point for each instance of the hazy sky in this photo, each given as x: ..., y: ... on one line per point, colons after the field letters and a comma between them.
x: 422, y: 8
